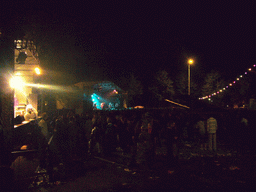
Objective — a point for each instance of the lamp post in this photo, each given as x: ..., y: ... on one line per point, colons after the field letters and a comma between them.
x: 190, y: 62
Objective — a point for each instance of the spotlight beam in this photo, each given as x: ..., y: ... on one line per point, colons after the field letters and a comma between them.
x: 50, y: 87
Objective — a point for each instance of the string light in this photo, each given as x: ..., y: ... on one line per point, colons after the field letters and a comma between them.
x: 230, y: 84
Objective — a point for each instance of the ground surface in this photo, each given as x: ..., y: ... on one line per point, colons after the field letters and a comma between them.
x: 196, y: 170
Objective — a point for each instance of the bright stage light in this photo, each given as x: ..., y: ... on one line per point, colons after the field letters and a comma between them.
x: 16, y: 82
x: 38, y: 71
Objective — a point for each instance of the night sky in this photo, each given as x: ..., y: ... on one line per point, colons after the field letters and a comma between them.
x: 142, y: 37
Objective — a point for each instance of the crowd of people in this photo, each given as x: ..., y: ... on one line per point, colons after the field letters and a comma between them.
x: 137, y: 132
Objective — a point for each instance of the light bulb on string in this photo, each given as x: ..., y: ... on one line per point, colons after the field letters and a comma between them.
x: 238, y: 78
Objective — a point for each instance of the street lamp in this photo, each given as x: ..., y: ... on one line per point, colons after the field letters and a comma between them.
x: 190, y: 62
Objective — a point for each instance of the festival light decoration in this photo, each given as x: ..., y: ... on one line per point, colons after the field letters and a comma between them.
x: 230, y: 84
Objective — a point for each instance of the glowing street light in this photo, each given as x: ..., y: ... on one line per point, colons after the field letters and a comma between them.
x: 190, y: 62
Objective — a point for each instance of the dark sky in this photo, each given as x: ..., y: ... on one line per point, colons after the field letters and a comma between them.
x: 143, y: 37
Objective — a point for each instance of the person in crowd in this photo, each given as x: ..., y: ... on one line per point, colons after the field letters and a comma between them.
x: 143, y: 146
x: 88, y: 125
x: 123, y: 133
x: 73, y: 130
x: 171, y: 140
x: 117, y: 124
x: 242, y: 134
x: 18, y: 119
x: 211, y: 130
x: 145, y: 141
x: 96, y: 134
x: 59, y: 146
x: 101, y: 124
x: 244, y: 121
x: 179, y: 125
x: 94, y: 106
x: 130, y: 132
x: 44, y: 126
x: 110, y: 137
x: 201, y: 124
x: 153, y: 128
x: 30, y: 113
x: 110, y: 106
x: 162, y: 128
x: 82, y: 144
x: 132, y: 122
x: 138, y: 122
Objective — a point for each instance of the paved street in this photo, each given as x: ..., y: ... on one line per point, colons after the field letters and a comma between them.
x: 194, y: 171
